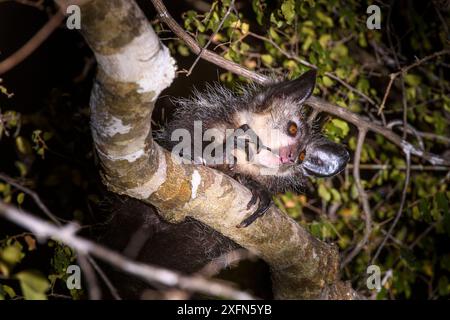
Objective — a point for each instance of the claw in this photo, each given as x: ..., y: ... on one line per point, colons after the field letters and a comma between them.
x: 253, y: 200
x: 265, y: 201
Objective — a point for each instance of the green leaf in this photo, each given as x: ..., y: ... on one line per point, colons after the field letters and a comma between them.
x: 308, y: 41
x: 338, y: 52
x: 33, y: 285
x: 20, y: 198
x: 354, y: 191
x: 342, y: 125
x: 9, y: 291
x: 324, y: 193
x: 183, y: 50
x: 23, y: 146
x: 12, y: 254
x: 324, y: 18
x: 23, y: 169
x: 327, y: 82
x: 258, y: 7
x: 47, y: 136
x: 363, y: 85
x: 324, y: 40
x: 412, y: 80
x: 267, y: 59
x: 288, y: 10
x: 362, y: 40
x: 341, y: 73
x: 316, y: 229
x: 424, y: 208
x: 274, y: 20
x: 416, y: 213
x: 336, y: 195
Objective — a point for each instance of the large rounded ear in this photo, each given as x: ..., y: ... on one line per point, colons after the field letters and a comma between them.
x: 325, y: 159
x: 299, y: 89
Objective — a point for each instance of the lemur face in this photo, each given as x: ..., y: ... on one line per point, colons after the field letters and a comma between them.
x: 292, y: 146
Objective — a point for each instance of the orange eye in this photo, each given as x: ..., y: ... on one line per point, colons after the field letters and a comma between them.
x: 292, y: 129
x: 301, y: 156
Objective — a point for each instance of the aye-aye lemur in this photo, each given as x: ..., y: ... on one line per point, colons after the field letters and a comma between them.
x: 273, y: 146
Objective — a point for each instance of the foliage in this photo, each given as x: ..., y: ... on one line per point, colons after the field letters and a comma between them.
x: 31, y: 149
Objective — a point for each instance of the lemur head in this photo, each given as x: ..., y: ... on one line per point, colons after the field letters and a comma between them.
x: 278, y: 118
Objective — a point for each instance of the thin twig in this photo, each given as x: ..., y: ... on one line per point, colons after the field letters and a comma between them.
x: 363, y: 198
x: 386, y: 93
x: 409, y: 128
x: 105, y: 279
x: 400, y: 210
x: 94, y: 290
x: 148, y: 273
x: 416, y: 167
x: 405, y: 107
x: 210, y: 38
x: 35, y: 4
x: 404, y: 70
x: 423, y: 234
x: 33, y: 195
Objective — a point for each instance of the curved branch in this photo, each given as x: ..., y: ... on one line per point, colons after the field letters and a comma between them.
x: 148, y: 273
x: 363, y: 198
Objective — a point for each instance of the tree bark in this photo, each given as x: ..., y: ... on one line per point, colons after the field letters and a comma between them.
x: 133, y: 68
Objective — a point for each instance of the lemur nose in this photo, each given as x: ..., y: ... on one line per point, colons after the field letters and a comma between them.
x: 291, y: 157
x: 286, y: 154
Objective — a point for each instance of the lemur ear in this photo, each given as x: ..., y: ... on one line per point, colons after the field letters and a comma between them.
x: 299, y: 89
x: 325, y: 159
